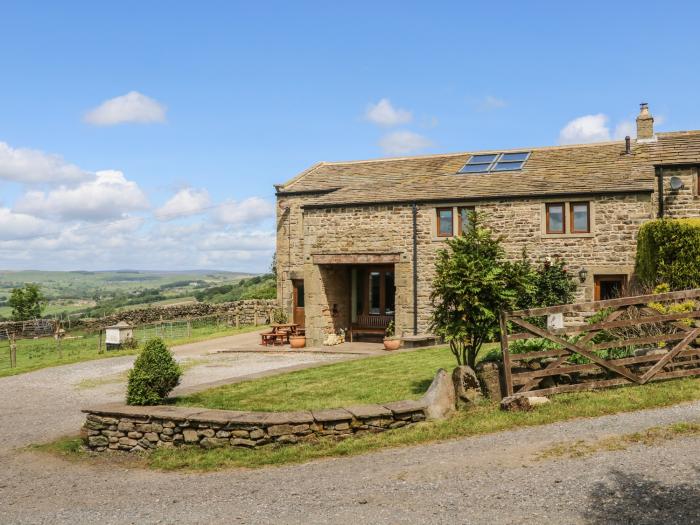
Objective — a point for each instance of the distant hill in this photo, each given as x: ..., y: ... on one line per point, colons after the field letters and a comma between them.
x: 99, y: 292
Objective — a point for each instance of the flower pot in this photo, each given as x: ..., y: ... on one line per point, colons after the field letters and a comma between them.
x: 297, y: 341
x: 392, y: 344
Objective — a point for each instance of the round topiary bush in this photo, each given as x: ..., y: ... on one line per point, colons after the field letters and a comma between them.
x: 154, y: 375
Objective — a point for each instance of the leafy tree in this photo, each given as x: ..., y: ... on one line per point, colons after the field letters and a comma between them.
x: 553, y: 285
x: 473, y: 282
x: 27, y: 302
x: 154, y: 375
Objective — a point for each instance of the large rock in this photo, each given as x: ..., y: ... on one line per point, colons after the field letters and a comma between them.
x: 440, y: 397
x: 522, y: 403
x: 489, y: 375
x: 466, y: 385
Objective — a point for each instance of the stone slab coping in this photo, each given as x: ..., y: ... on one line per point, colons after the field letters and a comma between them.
x: 225, y: 417
x: 406, y: 406
x: 369, y: 411
x: 332, y: 414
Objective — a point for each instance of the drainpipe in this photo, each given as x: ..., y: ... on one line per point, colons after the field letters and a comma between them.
x: 660, y: 181
x: 415, y: 268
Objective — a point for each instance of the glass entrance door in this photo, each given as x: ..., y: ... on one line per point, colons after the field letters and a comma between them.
x: 374, y: 290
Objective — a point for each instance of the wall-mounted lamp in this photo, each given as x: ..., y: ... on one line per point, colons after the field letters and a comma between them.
x: 582, y: 274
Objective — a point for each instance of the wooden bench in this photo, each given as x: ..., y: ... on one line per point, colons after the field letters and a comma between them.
x: 370, y: 324
x: 268, y: 338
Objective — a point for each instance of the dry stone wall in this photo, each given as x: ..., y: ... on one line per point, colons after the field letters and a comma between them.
x: 136, y: 429
x: 248, y: 311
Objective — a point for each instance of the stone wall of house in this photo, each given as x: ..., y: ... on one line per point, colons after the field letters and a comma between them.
x: 682, y: 203
x: 135, y: 429
x: 609, y: 249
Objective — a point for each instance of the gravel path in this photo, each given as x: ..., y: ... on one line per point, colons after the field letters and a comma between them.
x: 490, y: 479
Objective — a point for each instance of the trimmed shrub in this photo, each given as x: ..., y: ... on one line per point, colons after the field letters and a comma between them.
x: 668, y: 251
x: 154, y: 375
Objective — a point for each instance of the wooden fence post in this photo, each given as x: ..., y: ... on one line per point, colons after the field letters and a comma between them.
x: 99, y: 341
x: 255, y: 317
x: 13, y: 351
x: 189, y: 328
x: 238, y: 320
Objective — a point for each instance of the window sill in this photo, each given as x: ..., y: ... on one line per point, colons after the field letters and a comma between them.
x: 568, y: 235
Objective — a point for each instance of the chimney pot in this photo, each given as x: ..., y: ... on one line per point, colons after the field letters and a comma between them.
x: 628, y: 145
x: 645, y: 123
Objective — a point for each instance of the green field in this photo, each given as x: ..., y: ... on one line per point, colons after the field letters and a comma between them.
x: 98, y: 293
x: 33, y: 354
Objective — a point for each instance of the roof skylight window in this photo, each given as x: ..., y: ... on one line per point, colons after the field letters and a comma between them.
x: 485, y: 163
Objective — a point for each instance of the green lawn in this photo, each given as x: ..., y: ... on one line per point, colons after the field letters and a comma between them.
x: 33, y: 354
x: 373, y: 380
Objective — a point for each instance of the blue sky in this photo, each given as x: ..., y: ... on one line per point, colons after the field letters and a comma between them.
x: 238, y: 96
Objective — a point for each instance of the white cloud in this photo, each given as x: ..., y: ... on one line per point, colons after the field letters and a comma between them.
x: 132, y: 107
x: 249, y: 211
x: 21, y: 226
x: 403, y: 143
x: 490, y: 102
x: 384, y: 114
x: 187, y: 201
x: 589, y: 128
x: 108, y: 196
x: 30, y: 166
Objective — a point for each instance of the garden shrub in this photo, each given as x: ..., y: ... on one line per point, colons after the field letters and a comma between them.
x: 154, y: 375
x: 668, y: 251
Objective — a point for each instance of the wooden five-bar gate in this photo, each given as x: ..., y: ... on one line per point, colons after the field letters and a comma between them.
x: 656, y: 335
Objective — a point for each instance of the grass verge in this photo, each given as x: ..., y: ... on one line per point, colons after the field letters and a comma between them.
x: 482, y: 419
x: 650, y: 436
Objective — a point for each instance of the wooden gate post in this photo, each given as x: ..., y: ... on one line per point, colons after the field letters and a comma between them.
x: 13, y: 352
x: 99, y: 341
x: 503, y: 322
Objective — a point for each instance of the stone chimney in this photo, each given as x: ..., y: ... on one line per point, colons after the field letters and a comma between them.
x: 645, y: 124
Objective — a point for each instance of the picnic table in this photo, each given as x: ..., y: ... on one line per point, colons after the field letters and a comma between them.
x: 279, y: 334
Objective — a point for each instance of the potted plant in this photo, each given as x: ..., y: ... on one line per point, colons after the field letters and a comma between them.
x: 297, y: 340
x: 391, y: 342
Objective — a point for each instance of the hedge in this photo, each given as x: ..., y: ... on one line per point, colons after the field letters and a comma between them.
x: 668, y: 251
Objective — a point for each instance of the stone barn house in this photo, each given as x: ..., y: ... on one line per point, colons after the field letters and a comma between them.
x: 357, y: 241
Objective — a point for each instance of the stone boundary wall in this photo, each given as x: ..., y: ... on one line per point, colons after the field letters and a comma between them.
x: 136, y: 429
x: 248, y: 311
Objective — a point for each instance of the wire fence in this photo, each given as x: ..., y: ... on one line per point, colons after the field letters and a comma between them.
x: 44, y: 342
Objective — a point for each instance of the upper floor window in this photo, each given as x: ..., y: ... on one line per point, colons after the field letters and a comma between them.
x: 556, y: 220
x: 463, y: 218
x: 445, y: 226
x: 567, y: 217
x: 580, y: 217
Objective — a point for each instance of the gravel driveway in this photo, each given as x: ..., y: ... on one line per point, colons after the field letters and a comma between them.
x: 55, y: 395
x: 496, y: 478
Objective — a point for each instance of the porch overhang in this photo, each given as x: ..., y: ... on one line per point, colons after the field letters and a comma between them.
x: 356, y: 258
